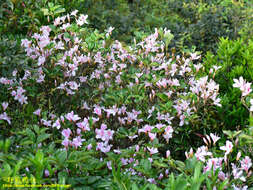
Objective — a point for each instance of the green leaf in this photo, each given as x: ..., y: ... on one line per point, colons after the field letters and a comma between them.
x: 43, y: 137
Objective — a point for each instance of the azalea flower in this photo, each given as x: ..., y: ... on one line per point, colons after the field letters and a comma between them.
x: 243, y: 86
x: 77, y: 142
x: 237, y: 173
x: 65, y: 143
x: 202, y: 152
x: 213, y: 163
x: 152, y: 136
x: 57, y: 124
x: 246, y: 164
x: 103, y: 147
x: 71, y: 117
x: 167, y: 153
x: 5, y: 117
x: 66, y: 133
x: 98, y: 111
x: 82, y: 20
x: 5, y: 105
x: 37, y: 112
x: 89, y: 147
x: 152, y: 150
x: 228, y: 147
x: 46, y: 123
x: 84, y: 125
x: 214, y: 137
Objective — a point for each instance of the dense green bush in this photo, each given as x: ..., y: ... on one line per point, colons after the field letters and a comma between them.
x: 235, y: 59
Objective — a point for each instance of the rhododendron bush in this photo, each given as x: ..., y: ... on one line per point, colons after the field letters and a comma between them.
x: 95, y: 113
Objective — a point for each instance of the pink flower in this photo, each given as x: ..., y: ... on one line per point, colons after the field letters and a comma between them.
x: 26, y: 43
x: 202, y: 152
x: 214, y: 137
x: 104, y: 134
x: 37, y: 112
x: 5, y: 105
x: 103, y: 147
x: 243, y: 86
x: 65, y: 143
x: 168, y: 133
x: 213, y: 163
x: 66, y: 133
x: 98, y: 111
x: 82, y: 19
x: 238, y: 83
x: 5, y: 117
x: 109, y: 165
x: 194, y: 56
x: 84, y: 125
x: 228, y: 147
x: 89, y: 147
x: 19, y: 95
x: 221, y: 175
x: 41, y: 60
x: 71, y: 117
x: 167, y: 153
x: 190, y: 154
x: 57, y: 21
x: 246, y: 164
x: 57, y: 124
x: 152, y: 150
x: 145, y: 129
x: 237, y: 173
x: 46, y: 173
x: 152, y: 136
x: 46, y: 123
x: 77, y: 142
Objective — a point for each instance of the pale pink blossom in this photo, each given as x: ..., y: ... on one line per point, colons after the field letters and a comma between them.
x: 37, y: 112
x: 167, y: 153
x: 228, y: 147
x: 89, y: 147
x: 84, y: 125
x: 65, y: 143
x: 237, y: 173
x: 82, y: 20
x: 168, y: 133
x: 5, y: 105
x: 246, y: 164
x: 103, y: 147
x: 77, y: 142
x: 214, y: 137
x: 152, y: 150
x: 109, y: 165
x: 5, y: 117
x: 244, y: 86
x: 57, y: 124
x: 66, y: 133
x: 98, y: 111
x: 57, y: 21
x: 152, y: 136
x: 202, y: 152
x: 46, y: 122
x: 71, y: 117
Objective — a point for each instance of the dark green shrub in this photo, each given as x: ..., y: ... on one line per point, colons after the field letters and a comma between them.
x: 236, y: 59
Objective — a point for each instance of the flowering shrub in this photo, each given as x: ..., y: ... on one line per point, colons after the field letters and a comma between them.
x: 89, y: 110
